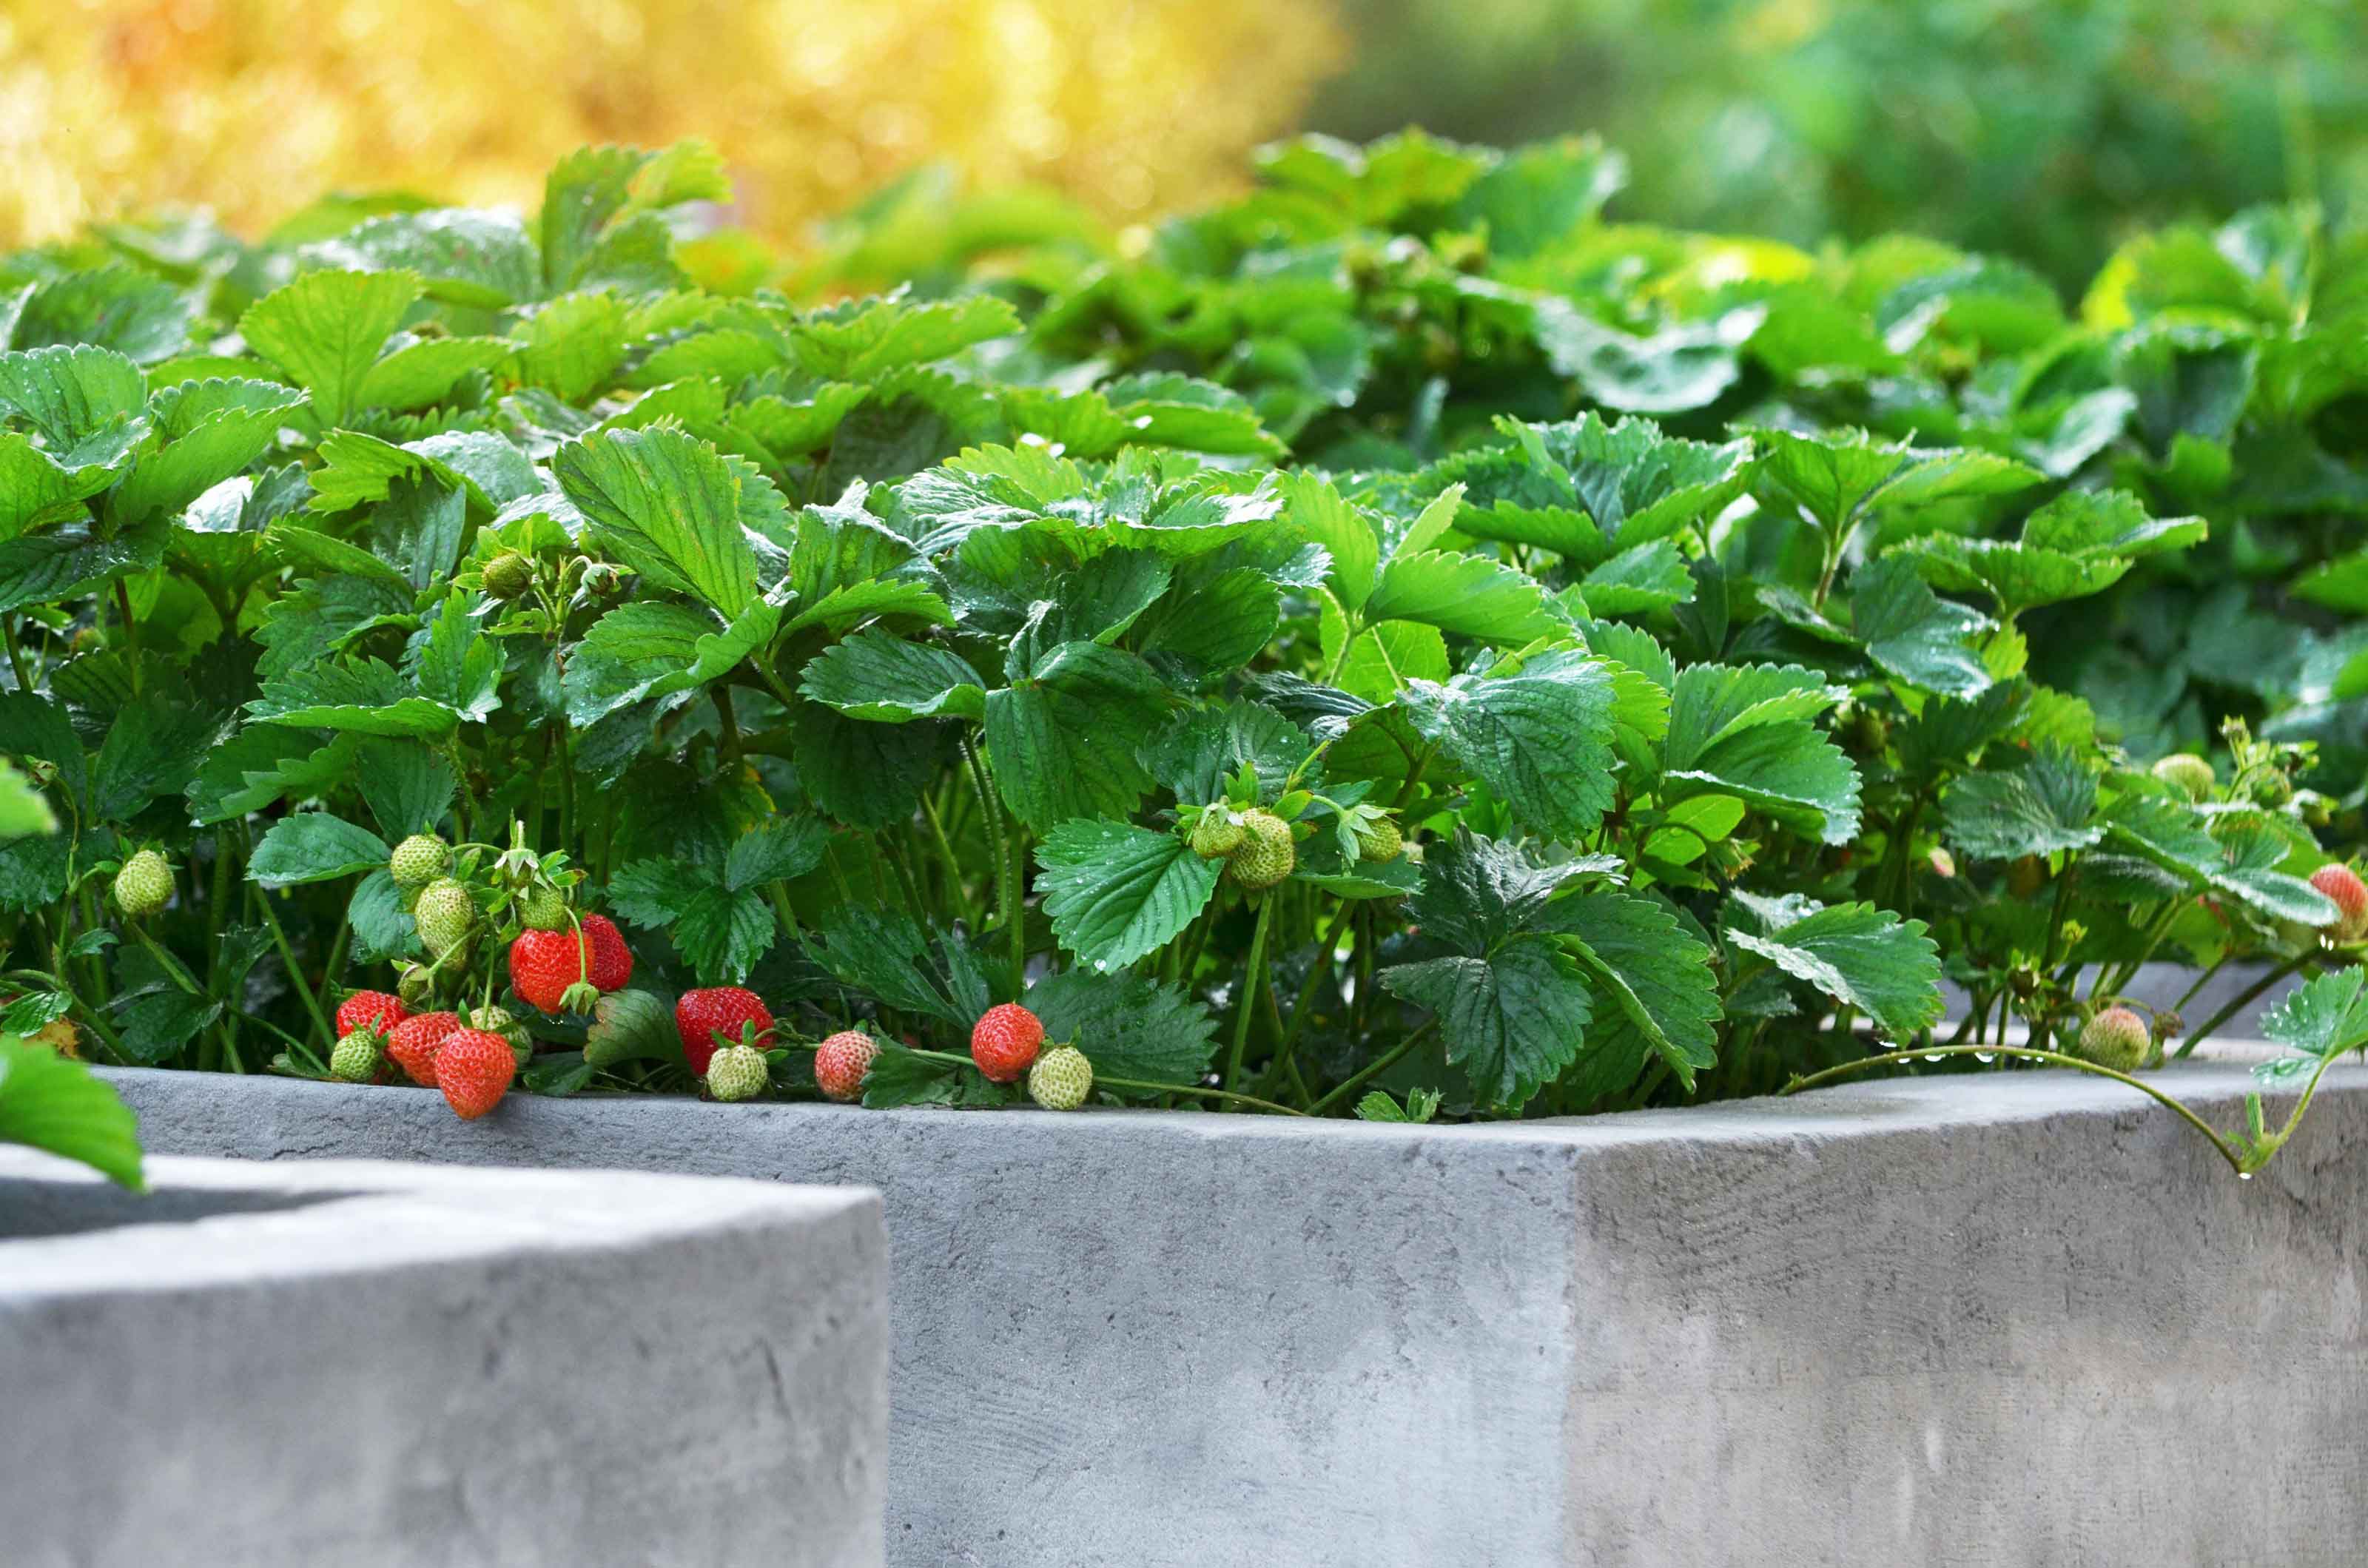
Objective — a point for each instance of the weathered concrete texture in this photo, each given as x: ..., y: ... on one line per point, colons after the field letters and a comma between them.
x: 2025, y: 1319
x: 360, y: 1364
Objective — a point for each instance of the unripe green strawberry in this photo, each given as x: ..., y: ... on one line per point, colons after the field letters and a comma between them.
x: 2191, y: 774
x: 446, y: 915
x: 1217, y: 834
x: 144, y: 886
x: 419, y: 860
x: 736, y: 1073
x: 545, y: 909
x: 2342, y: 887
x: 356, y: 1056
x: 414, y: 985
x: 1266, y: 854
x: 2115, y: 1038
x: 1380, y: 840
x: 508, y: 574
x: 1061, y: 1079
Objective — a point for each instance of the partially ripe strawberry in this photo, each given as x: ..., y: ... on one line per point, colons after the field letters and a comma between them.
x: 1005, y: 1042
x: 2343, y: 888
x: 475, y: 1070
x: 2115, y: 1038
x: 375, y: 1008
x: 416, y: 1040
x: 841, y: 1061
x: 547, y: 966
x: 719, y: 1016
x: 613, y: 961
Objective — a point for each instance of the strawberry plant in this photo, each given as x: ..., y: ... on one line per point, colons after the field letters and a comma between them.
x: 1394, y: 643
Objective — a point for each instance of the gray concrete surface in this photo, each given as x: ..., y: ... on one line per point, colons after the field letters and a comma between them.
x: 360, y: 1364
x: 2020, y: 1319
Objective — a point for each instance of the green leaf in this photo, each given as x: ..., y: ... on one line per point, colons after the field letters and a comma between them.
x: 261, y: 766
x: 408, y: 787
x: 464, y: 256
x: 364, y: 695
x: 1670, y: 371
x: 315, y: 846
x: 652, y: 648
x: 668, y: 505
x: 211, y: 429
x: 383, y: 928
x: 2228, y: 852
x: 1512, y: 1020
x: 899, y: 1076
x: 1129, y: 1026
x: 1062, y: 736
x: 1646, y: 580
x: 1652, y: 972
x: 2323, y: 1018
x: 1467, y: 595
x: 51, y: 1103
x: 1115, y: 893
x: 595, y: 196
x: 1584, y: 489
x: 1350, y: 535
x: 1744, y: 732
x: 415, y: 374
x: 865, y: 774
x: 2077, y: 544
x: 863, y: 340
x: 357, y: 469
x: 34, y: 492
x: 88, y: 404
x: 1844, y: 477
x: 24, y: 810
x: 1200, y: 750
x: 877, y: 675
x: 887, y: 955
x: 1540, y: 737
x: 325, y: 330
x: 780, y: 850
x: 2047, y: 805
x: 720, y: 931
x: 1860, y: 956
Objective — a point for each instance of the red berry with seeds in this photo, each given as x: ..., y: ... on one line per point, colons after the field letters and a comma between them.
x: 720, y: 1015
x: 416, y: 1041
x: 613, y: 961
x: 1005, y: 1042
x: 475, y: 1069
x: 374, y: 1009
x: 2344, y: 889
x: 545, y: 965
x: 841, y: 1061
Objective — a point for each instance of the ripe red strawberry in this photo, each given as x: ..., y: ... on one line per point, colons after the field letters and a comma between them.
x: 475, y: 1069
x: 720, y: 1015
x: 2343, y: 888
x: 841, y: 1061
x: 375, y: 1008
x: 545, y: 965
x: 1005, y: 1042
x: 416, y: 1041
x: 613, y: 961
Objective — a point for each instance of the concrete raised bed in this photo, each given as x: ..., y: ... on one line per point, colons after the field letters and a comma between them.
x: 358, y: 1364
x: 2017, y: 1319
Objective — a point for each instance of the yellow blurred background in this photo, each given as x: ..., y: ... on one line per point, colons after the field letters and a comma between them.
x: 255, y: 106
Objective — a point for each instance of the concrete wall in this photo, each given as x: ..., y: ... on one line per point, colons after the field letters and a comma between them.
x: 2020, y: 1319
x: 357, y: 1364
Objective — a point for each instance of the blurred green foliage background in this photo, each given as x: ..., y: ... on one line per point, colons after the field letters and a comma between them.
x: 2046, y: 129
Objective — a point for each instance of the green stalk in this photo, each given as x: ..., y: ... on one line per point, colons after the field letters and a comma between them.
x: 2227, y: 1150
x: 1007, y: 890
x: 1138, y: 1085
x: 956, y: 893
x: 1251, y: 973
x: 16, y: 653
x: 1373, y: 1070
x: 295, y: 971
x: 2250, y: 994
